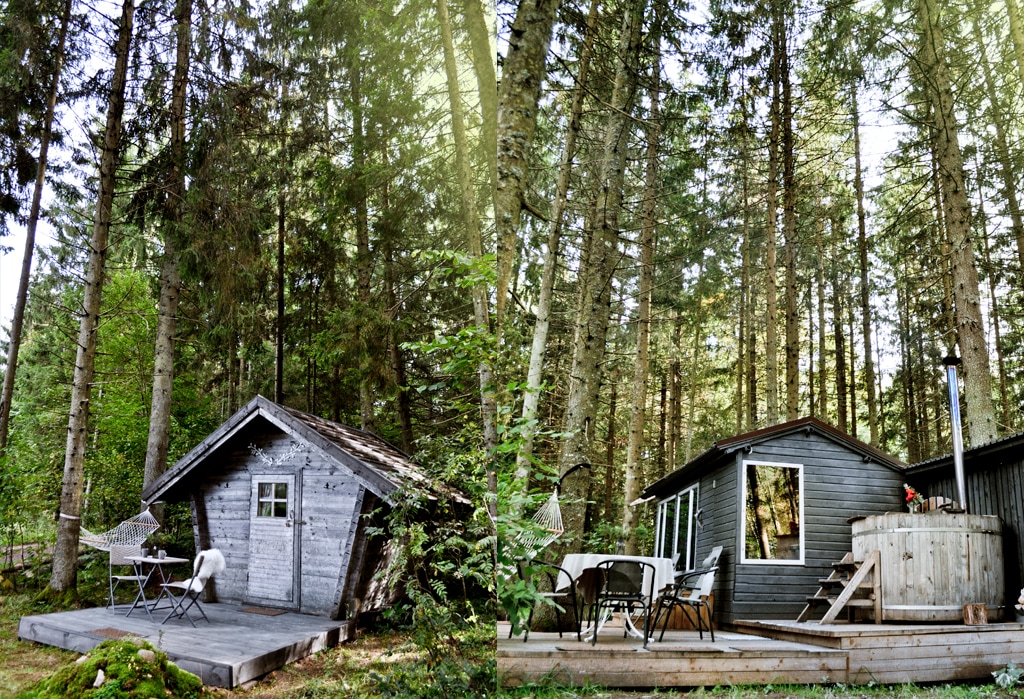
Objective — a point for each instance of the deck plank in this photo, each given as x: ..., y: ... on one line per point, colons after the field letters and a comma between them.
x: 767, y: 653
x: 234, y: 648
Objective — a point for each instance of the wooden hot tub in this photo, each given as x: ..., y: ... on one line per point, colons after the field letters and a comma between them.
x: 935, y: 563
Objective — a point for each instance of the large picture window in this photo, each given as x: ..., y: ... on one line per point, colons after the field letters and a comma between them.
x: 676, y: 527
x: 772, y: 513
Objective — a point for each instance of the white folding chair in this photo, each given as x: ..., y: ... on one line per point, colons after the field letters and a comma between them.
x: 119, y: 558
x: 208, y: 563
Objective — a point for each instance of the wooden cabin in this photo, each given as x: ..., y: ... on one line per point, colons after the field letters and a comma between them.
x: 288, y: 497
x: 778, y: 500
x: 994, y: 485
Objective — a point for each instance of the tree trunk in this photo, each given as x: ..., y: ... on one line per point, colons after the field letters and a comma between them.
x: 363, y: 254
x: 65, y: 554
x: 744, y: 328
x: 865, y: 286
x: 819, y: 272
x: 518, y: 97
x: 609, y: 450
x: 535, y: 371
x: 979, y: 411
x: 907, y: 375
x: 474, y: 241
x: 638, y: 399
x: 662, y: 425
x: 838, y: 294
x: 852, y: 333
x: 18, y: 318
x: 771, y: 270
x: 595, y: 278
x: 170, y: 277
x: 282, y: 202
x: 403, y: 405
x: 746, y: 394
x: 1016, y: 35
x: 1002, y: 147
x: 675, y: 410
x: 482, y: 45
x: 995, y: 314
x: 789, y: 232
x: 696, y: 374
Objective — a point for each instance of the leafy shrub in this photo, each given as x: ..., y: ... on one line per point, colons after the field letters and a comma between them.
x: 1009, y: 676
x: 458, y: 654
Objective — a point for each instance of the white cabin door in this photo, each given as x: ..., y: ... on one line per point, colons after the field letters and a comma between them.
x: 272, y: 578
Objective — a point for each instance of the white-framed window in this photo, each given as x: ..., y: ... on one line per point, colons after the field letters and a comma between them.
x: 676, y: 527
x: 772, y: 512
x: 272, y: 500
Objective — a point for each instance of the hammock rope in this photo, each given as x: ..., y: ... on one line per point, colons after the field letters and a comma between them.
x: 131, y: 532
x: 548, y: 519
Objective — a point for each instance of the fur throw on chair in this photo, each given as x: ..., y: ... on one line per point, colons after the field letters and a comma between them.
x: 208, y: 563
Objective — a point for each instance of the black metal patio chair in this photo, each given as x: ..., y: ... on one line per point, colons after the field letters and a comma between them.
x: 627, y: 588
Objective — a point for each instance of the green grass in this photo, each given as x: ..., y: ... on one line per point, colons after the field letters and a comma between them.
x: 23, y: 663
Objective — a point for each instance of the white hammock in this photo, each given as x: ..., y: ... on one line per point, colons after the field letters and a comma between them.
x: 131, y: 532
x: 548, y: 519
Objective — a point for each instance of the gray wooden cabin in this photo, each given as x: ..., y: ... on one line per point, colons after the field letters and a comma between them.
x: 994, y: 484
x: 772, y: 560
x: 287, y: 497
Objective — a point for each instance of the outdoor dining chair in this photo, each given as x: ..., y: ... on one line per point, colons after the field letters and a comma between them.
x: 120, y: 561
x: 547, y: 575
x: 627, y: 588
x: 690, y: 592
x: 208, y: 564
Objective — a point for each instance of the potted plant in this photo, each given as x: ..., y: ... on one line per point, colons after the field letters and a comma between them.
x: 913, y: 499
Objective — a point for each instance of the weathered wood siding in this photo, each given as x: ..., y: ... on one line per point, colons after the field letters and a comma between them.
x: 838, y: 484
x: 933, y: 564
x: 332, y: 501
x: 718, y: 498
x: 995, y: 486
x: 222, y: 522
x: 329, y: 499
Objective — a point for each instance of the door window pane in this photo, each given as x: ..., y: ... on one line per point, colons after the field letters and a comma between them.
x: 677, y: 530
x: 272, y: 500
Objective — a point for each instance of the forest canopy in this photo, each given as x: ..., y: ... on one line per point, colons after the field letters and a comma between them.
x: 286, y: 199
x: 647, y: 226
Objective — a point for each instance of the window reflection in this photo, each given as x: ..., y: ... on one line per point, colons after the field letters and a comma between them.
x: 772, y: 512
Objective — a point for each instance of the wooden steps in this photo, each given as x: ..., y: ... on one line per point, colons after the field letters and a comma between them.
x: 852, y: 585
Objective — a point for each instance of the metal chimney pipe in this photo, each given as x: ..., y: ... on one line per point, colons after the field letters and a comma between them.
x: 951, y: 362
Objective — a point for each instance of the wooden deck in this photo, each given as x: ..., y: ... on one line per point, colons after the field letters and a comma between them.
x: 239, y: 644
x: 765, y: 653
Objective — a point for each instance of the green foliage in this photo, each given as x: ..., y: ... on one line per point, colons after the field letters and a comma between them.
x: 442, y: 563
x: 1009, y: 676
x: 518, y: 594
x: 460, y: 652
x: 128, y: 675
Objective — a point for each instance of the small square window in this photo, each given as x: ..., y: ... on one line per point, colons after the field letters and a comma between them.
x: 272, y: 500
